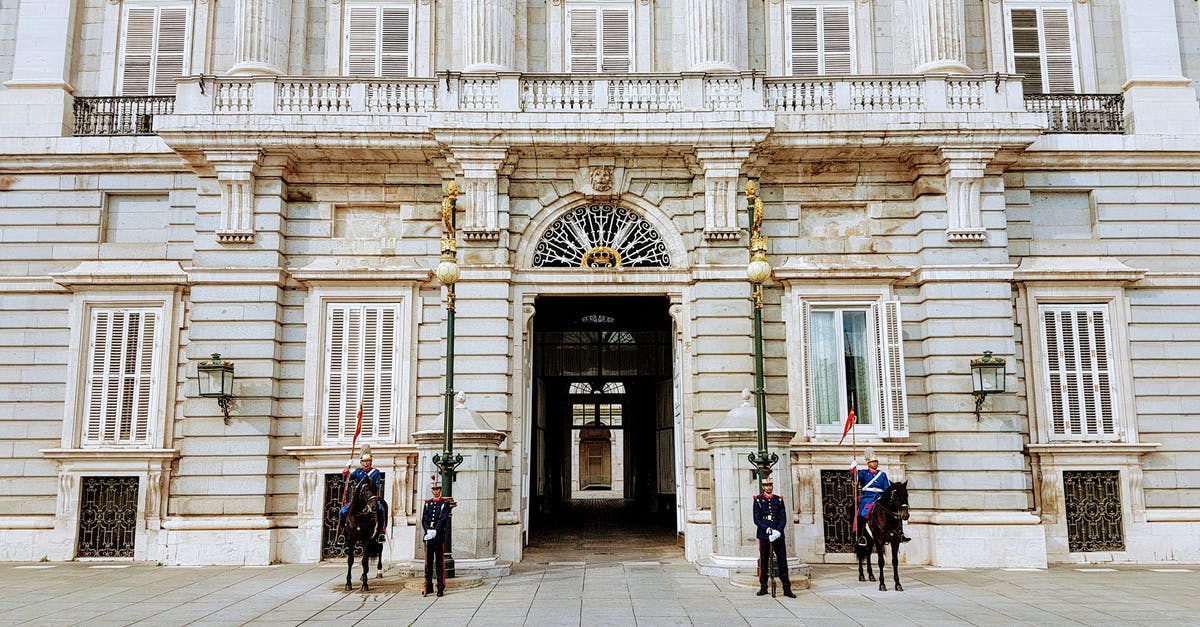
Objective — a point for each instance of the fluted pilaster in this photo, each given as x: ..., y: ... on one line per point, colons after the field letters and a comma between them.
x: 491, y: 35
x: 711, y: 24
x: 939, y: 36
x: 262, y: 38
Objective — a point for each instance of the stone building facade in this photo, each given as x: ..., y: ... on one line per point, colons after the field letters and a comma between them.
x: 262, y: 180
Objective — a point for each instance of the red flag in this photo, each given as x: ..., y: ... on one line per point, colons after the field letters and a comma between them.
x: 849, y: 425
x: 357, y: 430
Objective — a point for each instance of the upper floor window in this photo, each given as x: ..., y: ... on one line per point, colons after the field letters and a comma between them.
x: 600, y: 38
x: 1042, y: 47
x: 1078, y: 370
x: 154, y: 49
x: 820, y: 38
x: 379, y: 40
x: 853, y: 360
x: 361, y: 353
x: 121, y: 374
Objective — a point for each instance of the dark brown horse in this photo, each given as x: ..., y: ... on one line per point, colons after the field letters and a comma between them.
x: 359, y: 526
x: 885, y: 521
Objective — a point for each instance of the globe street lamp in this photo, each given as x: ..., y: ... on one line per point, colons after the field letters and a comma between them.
x: 447, y: 272
x: 758, y: 271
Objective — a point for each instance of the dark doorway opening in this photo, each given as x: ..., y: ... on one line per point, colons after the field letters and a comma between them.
x: 603, y: 446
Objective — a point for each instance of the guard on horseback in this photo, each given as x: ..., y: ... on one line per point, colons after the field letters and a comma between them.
x: 365, y: 472
x: 872, y: 483
x: 770, y: 516
x: 435, y: 520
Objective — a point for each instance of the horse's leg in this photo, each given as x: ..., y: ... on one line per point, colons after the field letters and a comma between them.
x: 349, y: 564
x: 896, y: 564
x: 879, y: 552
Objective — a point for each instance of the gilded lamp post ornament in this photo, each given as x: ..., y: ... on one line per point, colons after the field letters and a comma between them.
x: 758, y: 271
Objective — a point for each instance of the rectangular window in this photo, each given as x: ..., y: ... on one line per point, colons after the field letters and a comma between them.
x: 1078, y: 371
x: 600, y: 39
x: 360, y: 370
x: 154, y: 49
x: 379, y: 41
x: 820, y: 39
x: 1043, y: 49
x: 121, y: 373
x: 854, y: 360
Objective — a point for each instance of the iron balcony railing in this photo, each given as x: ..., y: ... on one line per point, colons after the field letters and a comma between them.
x: 1080, y: 113
x: 120, y: 115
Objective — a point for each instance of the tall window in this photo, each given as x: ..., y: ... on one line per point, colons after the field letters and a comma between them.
x: 854, y: 360
x: 154, y: 49
x: 600, y: 39
x: 1078, y: 371
x: 360, y: 370
x: 1042, y: 48
x: 122, y: 369
x: 379, y: 41
x: 820, y: 39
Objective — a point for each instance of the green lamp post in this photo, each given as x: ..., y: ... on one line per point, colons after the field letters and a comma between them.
x: 758, y: 271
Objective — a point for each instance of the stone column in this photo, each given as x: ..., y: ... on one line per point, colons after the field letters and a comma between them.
x: 473, y: 522
x: 490, y: 40
x: 263, y: 37
x: 735, y: 546
x: 1159, y: 100
x: 939, y: 35
x: 38, y: 100
x: 712, y: 44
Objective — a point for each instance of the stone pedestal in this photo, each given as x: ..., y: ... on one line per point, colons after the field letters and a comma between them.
x: 735, y: 543
x: 473, y: 522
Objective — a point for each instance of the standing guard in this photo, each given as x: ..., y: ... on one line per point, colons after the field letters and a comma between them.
x: 435, y: 519
x: 365, y: 472
x: 770, y: 516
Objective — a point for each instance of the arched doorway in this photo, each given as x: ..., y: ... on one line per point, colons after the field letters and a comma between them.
x: 603, y: 445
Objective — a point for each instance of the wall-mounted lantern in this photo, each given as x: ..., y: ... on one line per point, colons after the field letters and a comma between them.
x: 987, y: 377
x: 214, y: 377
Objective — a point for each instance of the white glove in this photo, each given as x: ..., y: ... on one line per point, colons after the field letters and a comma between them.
x: 773, y: 534
x: 431, y: 534
x: 853, y: 465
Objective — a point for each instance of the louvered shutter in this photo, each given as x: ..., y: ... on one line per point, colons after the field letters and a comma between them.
x: 394, y: 42
x: 889, y: 368
x: 360, y: 350
x: 616, y: 31
x: 583, y: 44
x: 1078, y: 372
x: 836, y: 39
x: 121, y: 376
x: 138, y: 55
x: 1060, y: 55
x: 810, y: 421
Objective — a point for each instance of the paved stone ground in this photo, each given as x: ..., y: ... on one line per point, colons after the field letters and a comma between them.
x: 605, y: 588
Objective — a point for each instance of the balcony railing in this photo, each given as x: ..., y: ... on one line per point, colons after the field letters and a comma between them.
x: 1080, y: 113
x: 119, y: 115
x: 565, y: 93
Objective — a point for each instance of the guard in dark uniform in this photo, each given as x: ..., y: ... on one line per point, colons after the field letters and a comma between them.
x: 770, y: 516
x: 435, y: 519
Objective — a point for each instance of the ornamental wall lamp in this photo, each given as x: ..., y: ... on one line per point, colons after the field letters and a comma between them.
x: 987, y: 377
x: 214, y: 377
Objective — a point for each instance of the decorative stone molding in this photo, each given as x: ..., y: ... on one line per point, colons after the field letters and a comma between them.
x: 964, y: 169
x: 236, y: 172
x: 721, y: 168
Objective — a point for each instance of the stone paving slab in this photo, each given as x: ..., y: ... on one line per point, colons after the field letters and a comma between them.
x: 601, y: 593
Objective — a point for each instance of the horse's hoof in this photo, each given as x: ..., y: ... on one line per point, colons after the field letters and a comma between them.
x: 899, y: 588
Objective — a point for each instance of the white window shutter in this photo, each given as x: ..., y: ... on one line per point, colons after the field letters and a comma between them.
x: 362, y: 38
x: 616, y: 31
x: 138, y: 52
x: 889, y: 367
x: 360, y: 349
x: 394, y: 43
x: 1059, y: 57
x: 837, y: 39
x: 121, y: 377
x: 810, y: 422
x: 1078, y: 373
x: 583, y: 36
x: 170, y: 51
x: 805, y: 47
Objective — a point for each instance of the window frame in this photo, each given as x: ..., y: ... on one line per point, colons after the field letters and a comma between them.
x: 122, y: 38
x: 379, y: 6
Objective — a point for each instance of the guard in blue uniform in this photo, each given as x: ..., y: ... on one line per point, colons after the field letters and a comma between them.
x: 872, y: 482
x: 770, y: 516
x: 365, y: 472
x: 435, y: 520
